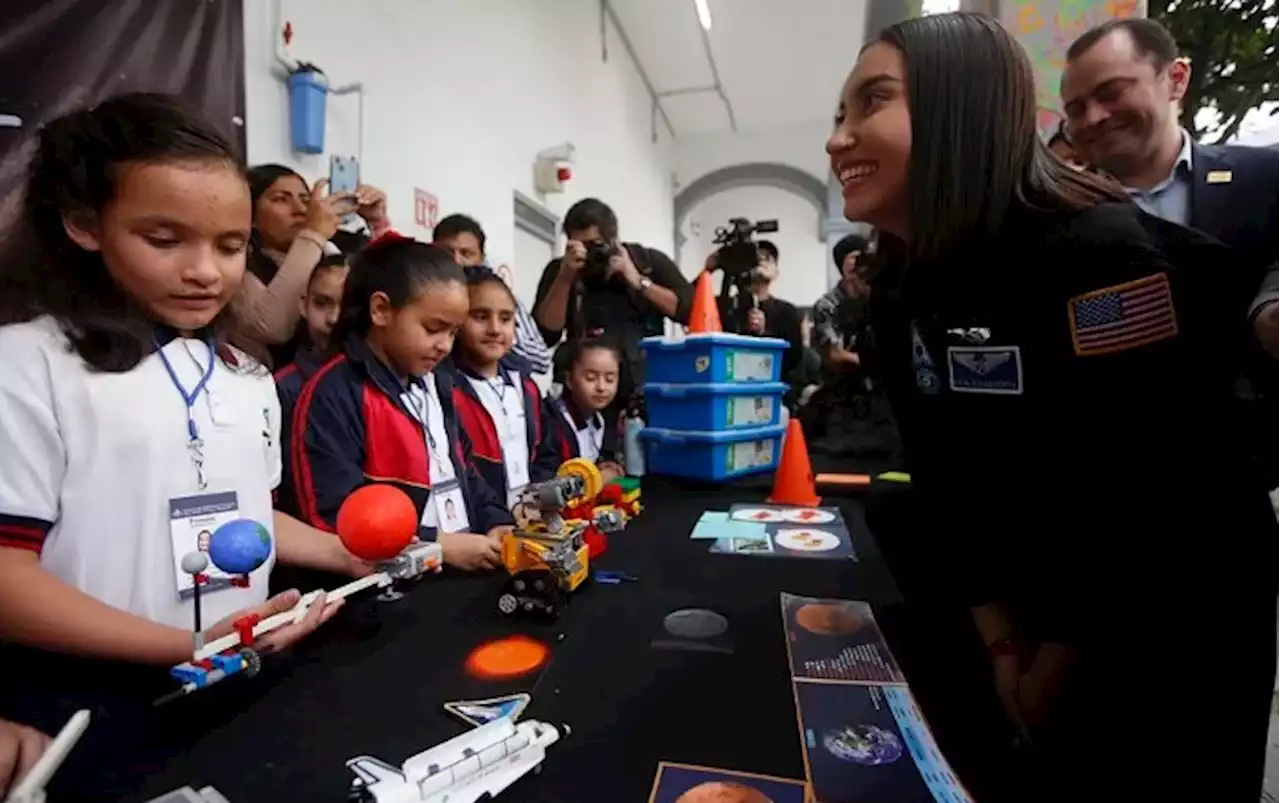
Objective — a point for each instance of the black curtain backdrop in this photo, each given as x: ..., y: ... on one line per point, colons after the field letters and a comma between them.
x: 59, y: 55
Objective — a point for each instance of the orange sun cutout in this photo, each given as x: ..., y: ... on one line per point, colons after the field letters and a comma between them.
x: 506, y: 658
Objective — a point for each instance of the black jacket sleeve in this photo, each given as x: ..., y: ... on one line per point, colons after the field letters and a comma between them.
x: 552, y: 336
x: 785, y: 324
x: 665, y: 273
x: 1140, y: 428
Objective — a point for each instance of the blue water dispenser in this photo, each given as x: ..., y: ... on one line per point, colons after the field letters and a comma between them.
x: 308, y: 89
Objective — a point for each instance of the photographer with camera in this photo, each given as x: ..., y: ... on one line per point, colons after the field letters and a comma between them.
x: 747, y: 306
x: 849, y: 414
x: 754, y: 310
x: 607, y: 289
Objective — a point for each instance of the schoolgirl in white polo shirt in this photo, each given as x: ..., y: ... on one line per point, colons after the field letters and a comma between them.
x: 122, y: 406
x: 498, y: 404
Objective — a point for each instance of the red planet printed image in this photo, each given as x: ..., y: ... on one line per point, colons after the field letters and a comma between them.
x: 824, y: 619
x: 720, y: 792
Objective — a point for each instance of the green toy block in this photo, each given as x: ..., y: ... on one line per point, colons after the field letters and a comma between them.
x: 627, y: 484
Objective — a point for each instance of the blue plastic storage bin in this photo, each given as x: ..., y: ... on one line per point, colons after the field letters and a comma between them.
x: 713, y: 358
x: 725, y: 405
x: 713, y: 455
x: 308, y: 90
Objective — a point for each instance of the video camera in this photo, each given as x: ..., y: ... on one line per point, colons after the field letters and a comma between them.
x: 737, y: 256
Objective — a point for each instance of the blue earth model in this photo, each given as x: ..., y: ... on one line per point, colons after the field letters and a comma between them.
x: 240, y: 546
x: 868, y: 745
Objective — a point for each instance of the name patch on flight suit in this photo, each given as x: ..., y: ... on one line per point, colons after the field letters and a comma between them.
x: 985, y: 369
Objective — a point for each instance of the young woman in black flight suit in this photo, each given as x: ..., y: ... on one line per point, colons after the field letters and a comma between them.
x: 1060, y: 365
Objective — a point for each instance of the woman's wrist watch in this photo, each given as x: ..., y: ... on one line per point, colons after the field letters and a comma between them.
x: 644, y: 284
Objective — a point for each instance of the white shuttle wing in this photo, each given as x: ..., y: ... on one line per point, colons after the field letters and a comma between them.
x: 484, y: 761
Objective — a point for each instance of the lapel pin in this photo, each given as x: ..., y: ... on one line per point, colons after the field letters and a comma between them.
x: 1218, y: 177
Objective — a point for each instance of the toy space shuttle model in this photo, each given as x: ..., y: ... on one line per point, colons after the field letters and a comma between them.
x: 475, y: 766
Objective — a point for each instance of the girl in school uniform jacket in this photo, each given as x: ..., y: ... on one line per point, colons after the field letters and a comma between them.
x: 330, y: 458
x: 289, y: 383
x: 573, y: 420
x: 571, y: 433
x: 482, y: 421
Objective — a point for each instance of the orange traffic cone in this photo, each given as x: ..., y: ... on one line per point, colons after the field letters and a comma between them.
x: 705, y: 315
x: 793, y: 481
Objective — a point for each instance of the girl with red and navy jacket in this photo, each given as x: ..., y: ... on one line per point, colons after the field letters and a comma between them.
x: 499, y: 406
x: 379, y: 412
x: 320, y: 307
x: 574, y: 424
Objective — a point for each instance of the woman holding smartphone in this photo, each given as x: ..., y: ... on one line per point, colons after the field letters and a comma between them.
x: 292, y: 227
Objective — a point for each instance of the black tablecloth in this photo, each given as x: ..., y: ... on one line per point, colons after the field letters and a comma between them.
x: 373, y: 681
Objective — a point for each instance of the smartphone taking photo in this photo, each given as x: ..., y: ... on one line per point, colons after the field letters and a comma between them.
x: 344, y: 176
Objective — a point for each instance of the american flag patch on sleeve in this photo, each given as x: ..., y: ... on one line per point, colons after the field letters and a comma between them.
x: 1122, y: 317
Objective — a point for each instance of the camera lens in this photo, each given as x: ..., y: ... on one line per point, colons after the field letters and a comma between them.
x: 598, y: 254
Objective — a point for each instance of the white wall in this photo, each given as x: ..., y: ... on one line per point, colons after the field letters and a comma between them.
x: 802, y: 256
x: 800, y: 146
x: 461, y: 97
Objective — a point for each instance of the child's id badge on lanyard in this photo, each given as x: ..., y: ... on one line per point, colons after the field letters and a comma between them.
x: 192, y: 522
x: 446, y: 510
x: 505, y: 405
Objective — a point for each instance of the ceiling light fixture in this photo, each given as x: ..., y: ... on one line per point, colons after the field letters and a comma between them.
x: 939, y: 7
x: 704, y: 13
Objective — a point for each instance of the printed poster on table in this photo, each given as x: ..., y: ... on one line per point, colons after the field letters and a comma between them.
x: 863, y: 736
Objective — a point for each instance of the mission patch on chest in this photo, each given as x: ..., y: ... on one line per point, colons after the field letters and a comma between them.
x: 985, y: 369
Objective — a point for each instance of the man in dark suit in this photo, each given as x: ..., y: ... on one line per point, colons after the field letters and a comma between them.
x: 1122, y: 87
x: 1121, y: 90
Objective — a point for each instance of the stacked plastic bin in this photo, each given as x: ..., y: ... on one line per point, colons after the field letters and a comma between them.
x: 714, y: 404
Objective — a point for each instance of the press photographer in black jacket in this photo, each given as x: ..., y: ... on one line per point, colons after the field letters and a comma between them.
x: 751, y: 309
x: 605, y: 288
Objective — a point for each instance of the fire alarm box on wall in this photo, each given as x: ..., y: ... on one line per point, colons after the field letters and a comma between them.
x: 551, y: 170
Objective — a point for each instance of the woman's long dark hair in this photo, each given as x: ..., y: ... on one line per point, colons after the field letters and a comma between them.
x: 975, y: 151
x: 397, y: 266
x: 73, y: 173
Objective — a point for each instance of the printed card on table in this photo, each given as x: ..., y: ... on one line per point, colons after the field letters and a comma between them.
x: 786, y: 532
x: 869, y: 744
x: 864, y: 738
x: 687, y: 783
x: 831, y: 639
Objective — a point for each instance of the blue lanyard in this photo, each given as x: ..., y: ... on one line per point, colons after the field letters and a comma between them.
x: 193, y: 433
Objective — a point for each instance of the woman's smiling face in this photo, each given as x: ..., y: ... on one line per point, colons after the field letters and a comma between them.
x: 870, y: 148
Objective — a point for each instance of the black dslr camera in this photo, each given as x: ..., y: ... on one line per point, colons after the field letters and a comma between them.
x: 737, y: 256
x: 599, y: 252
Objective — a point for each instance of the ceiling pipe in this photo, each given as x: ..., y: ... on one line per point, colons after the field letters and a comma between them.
x: 688, y: 90
x: 715, y: 76
x: 658, y: 111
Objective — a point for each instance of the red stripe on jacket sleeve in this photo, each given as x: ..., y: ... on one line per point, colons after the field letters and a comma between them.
x: 22, y: 532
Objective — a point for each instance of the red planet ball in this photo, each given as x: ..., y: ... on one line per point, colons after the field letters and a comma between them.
x: 376, y: 522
